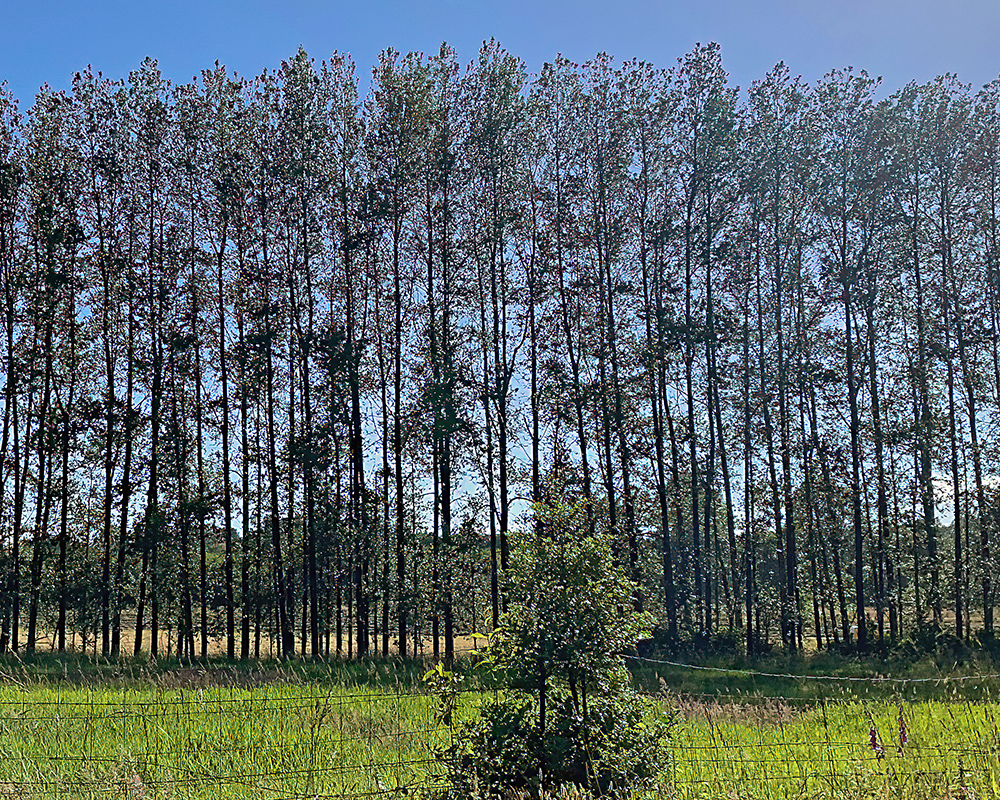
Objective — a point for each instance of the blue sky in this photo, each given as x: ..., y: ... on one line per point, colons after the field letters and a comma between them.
x: 48, y: 40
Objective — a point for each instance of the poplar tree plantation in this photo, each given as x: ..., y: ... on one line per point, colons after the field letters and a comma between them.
x: 286, y: 361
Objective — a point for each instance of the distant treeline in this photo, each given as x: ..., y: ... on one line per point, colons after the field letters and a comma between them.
x: 285, y: 362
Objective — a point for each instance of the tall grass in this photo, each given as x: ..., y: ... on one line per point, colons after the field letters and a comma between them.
x: 271, y: 741
x: 874, y: 749
x: 204, y: 731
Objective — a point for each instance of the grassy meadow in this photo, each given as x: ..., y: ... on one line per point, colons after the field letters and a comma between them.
x: 92, y: 728
x: 920, y: 749
x: 281, y: 740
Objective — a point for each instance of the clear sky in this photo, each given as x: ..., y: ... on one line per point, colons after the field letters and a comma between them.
x: 46, y: 41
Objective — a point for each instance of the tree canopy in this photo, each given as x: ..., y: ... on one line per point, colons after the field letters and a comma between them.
x: 284, y: 362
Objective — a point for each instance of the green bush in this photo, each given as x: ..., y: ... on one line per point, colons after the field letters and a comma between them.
x: 697, y: 644
x: 567, y: 714
x: 929, y: 638
x: 620, y: 746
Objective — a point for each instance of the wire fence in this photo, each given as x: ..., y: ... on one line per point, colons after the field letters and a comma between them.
x: 847, y: 755
x: 264, y: 743
x: 832, y: 736
x: 272, y: 742
x: 790, y: 676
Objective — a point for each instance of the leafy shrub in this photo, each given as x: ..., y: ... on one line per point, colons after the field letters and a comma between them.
x: 928, y: 638
x: 567, y: 714
x: 697, y: 644
x: 502, y: 754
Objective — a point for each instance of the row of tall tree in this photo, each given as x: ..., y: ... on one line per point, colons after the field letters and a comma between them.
x: 283, y: 363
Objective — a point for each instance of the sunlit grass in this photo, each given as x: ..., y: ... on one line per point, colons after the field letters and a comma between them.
x: 919, y: 750
x: 271, y: 741
x: 271, y: 730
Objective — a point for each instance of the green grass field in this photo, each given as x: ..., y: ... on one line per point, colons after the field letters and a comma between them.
x: 921, y: 749
x: 269, y: 741
x: 97, y: 729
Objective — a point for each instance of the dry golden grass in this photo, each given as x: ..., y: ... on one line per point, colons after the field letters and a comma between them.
x: 167, y: 640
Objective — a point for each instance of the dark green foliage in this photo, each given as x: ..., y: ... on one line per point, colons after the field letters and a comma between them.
x: 568, y: 714
x: 697, y: 644
x: 619, y: 746
x: 929, y: 638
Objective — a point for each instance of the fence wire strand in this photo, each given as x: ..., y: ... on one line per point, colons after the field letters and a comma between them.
x: 280, y: 742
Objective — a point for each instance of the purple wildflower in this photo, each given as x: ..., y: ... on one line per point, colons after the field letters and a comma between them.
x: 875, y: 741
